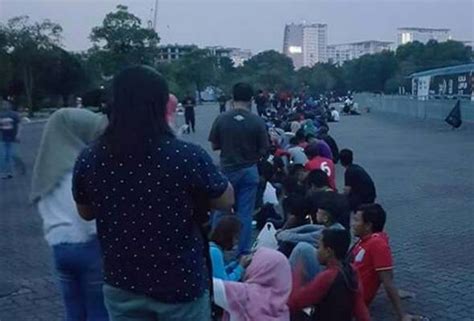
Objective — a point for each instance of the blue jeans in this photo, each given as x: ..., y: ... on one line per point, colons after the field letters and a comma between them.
x: 245, y: 183
x: 6, y: 157
x: 128, y: 306
x: 79, y: 268
x: 304, y: 260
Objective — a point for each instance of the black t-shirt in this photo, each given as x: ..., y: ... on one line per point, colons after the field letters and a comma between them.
x: 222, y: 100
x: 241, y: 137
x: 362, y: 186
x: 260, y: 101
x: 189, y: 102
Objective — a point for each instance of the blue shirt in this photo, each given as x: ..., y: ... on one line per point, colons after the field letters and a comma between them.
x: 144, y: 205
x: 231, y: 272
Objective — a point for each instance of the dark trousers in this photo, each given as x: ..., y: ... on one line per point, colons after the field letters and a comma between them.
x: 222, y: 108
x: 190, y: 118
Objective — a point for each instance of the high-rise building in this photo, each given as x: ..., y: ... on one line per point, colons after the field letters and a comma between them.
x: 423, y: 35
x: 340, y: 53
x: 306, y: 44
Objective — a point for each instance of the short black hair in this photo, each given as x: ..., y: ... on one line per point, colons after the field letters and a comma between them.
x: 242, y: 92
x: 330, y: 203
x: 226, y: 229
x: 338, y: 241
x: 346, y: 157
x: 374, y: 214
x: 318, y: 179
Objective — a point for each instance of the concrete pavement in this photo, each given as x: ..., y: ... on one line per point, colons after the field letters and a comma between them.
x: 424, y: 173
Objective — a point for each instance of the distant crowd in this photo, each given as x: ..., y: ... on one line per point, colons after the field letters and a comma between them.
x: 145, y: 226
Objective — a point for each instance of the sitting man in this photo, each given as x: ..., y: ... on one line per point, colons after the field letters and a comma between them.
x: 359, y: 186
x: 372, y: 257
x: 327, y: 217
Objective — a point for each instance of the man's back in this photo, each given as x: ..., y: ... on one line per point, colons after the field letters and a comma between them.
x: 361, y: 183
x: 242, y: 138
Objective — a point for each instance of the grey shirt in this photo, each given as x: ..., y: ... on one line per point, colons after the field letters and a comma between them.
x: 241, y: 137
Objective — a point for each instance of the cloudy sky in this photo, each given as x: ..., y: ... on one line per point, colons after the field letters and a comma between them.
x: 253, y: 24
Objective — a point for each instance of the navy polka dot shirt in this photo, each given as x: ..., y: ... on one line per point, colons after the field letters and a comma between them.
x: 144, y: 210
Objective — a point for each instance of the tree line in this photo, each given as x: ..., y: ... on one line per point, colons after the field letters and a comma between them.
x: 37, y: 71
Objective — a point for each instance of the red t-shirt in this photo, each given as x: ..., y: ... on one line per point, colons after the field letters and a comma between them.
x: 370, y: 255
x: 326, y: 165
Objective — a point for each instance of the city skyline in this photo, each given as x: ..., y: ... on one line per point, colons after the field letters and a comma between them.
x: 256, y: 25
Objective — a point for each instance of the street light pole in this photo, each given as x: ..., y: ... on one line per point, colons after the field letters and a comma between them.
x: 155, y: 18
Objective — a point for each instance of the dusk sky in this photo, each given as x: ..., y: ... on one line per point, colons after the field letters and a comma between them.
x: 253, y: 24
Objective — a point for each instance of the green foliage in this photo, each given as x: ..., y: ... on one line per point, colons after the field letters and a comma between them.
x: 121, y: 41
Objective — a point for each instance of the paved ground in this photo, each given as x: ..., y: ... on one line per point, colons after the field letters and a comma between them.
x: 425, y: 178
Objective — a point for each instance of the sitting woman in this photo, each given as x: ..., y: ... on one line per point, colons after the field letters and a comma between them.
x: 263, y: 295
x: 223, y: 238
x: 333, y: 294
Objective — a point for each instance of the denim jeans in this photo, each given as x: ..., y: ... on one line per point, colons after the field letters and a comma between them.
x: 7, y: 154
x: 79, y: 268
x: 127, y: 306
x: 304, y: 259
x: 245, y: 182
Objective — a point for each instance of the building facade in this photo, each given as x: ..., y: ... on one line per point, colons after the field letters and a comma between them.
x: 423, y: 35
x: 306, y: 44
x: 340, y: 53
x: 169, y: 53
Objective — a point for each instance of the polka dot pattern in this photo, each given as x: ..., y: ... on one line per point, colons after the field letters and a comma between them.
x: 144, y: 208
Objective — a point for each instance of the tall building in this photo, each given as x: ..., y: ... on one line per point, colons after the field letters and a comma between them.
x: 306, y: 44
x: 423, y: 35
x: 340, y: 53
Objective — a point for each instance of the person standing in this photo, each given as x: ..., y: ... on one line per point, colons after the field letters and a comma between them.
x: 74, y: 242
x: 9, y: 129
x: 149, y: 193
x: 243, y: 140
x: 222, y: 103
x: 261, y: 102
x: 359, y: 186
x: 189, y: 103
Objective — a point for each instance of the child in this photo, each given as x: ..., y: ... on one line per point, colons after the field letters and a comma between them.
x: 223, y: 238
x: 263, y: 295
x: 334, y: 294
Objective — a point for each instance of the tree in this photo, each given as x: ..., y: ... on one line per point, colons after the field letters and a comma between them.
x: 370, y: 72
x: 196, y: 70
x: 122, y: 41
x: 269, y: 69
x: 28, y: 43
x: 63, y: 74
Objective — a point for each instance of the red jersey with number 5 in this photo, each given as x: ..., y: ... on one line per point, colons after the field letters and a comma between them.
x: 326, y: 165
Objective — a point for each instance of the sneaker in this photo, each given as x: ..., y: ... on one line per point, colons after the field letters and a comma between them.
x: 9, y: 176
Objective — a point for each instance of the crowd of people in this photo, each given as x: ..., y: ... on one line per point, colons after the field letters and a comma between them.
x: 145, y: 227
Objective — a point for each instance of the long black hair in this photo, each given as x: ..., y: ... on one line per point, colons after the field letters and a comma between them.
x: 137, y: 113
x: 339, y: 241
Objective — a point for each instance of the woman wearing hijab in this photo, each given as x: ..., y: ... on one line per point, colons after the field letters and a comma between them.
x: 264, y: 293
x: 74, y: 241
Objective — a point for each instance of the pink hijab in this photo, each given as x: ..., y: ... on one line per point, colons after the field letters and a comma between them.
x: 171, y: 109
x: 263, y: 295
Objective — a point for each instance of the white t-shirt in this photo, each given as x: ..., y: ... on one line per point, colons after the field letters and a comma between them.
x: 335, y: 115
x: 61, y: 221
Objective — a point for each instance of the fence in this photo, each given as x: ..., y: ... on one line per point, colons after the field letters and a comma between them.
x: 413, y: 107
